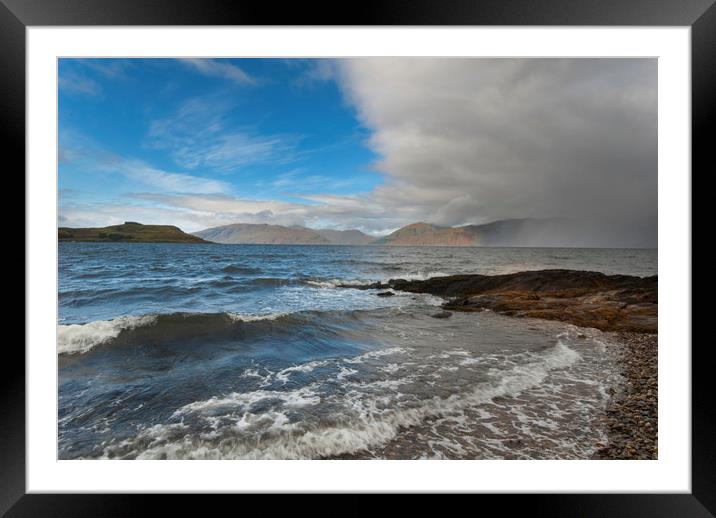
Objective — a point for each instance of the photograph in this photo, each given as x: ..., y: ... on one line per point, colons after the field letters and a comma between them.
x: 352, y: 258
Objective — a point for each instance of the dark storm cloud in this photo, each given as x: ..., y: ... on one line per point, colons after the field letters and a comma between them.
x: 474, y: 140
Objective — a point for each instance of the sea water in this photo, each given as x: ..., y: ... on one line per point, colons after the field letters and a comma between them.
x: 261, y: 352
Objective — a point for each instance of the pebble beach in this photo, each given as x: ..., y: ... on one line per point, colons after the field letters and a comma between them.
x: 632, y: 414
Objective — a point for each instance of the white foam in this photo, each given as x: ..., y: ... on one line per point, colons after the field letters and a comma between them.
x: 284, y: 374
x: 377, y: 354
x: 270, y: 421
x: 338, y: 283
x: 254, y: 373
x: 80, y: 338
x: 242, y: 400
x: 469, y: 361
x: 237, y: 317
x: 422, y: 276
x: 345, y: 372
x: 251, y: 373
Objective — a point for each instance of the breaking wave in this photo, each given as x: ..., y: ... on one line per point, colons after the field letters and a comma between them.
x: 163, y: 328
x: 368, y: 418
x: 80, y: 338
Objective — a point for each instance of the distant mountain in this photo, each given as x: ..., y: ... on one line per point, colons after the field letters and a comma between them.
x: 345, y: 237
x: 508, y: 232
x: 425, y: 234
x: 247, y: 233
x: 262, y: 234
x: 129, y: 232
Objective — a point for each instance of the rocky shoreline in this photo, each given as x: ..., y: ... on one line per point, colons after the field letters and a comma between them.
x: 626, y: 307
x: 586, y: 299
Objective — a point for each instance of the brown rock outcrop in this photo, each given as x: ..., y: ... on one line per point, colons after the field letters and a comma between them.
x: 588, y: 299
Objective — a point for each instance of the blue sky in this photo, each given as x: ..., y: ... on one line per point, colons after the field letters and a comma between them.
x: 366, y: 143
x: 132, y: 131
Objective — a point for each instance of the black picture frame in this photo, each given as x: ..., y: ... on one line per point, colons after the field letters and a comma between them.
x: 700, y: 15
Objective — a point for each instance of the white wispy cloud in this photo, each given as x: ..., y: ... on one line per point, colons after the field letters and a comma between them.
x: 166, y: 181
x: 109, y: 68
x: 342, y: 212
x: 189, y: 212
x: 104, y: 214
x: 312, y: 72
x: 219, y: 68
x: 79, y: 150
x: 198, y: 135
x: 300, y: 180
x: 84, y: 76
x: 72, y: 82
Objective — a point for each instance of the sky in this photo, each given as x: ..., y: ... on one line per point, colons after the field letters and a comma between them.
x: 367, y: 143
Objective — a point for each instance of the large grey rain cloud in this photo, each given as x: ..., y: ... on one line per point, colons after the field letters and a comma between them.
x: 474, y: 140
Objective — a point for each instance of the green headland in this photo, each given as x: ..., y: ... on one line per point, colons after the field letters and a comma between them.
x: 128, y: 232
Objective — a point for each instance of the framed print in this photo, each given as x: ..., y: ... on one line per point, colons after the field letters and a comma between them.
x: 420, y: 253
